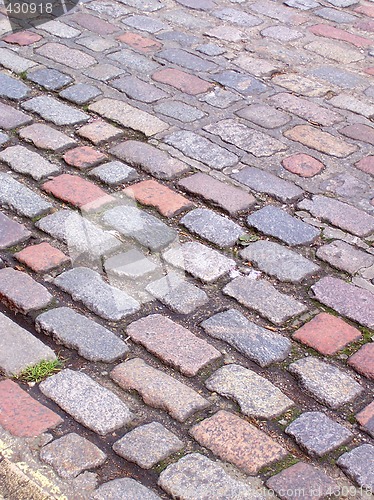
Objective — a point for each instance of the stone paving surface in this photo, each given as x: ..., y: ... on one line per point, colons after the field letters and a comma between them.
x: 187, y: 224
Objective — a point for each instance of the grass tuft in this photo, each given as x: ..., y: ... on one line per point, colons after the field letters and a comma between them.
x: 39, y: 372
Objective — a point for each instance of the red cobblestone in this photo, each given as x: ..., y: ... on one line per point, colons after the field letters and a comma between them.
x: 363, y: 360
x: 21, y: 415
x: 360, y: 132
x: 328, y: 31
x: 369, y: 71
x: 366, y: 418
x: 84, y: 157
x: 368, y: 10
x: 365, y: 25
x: 366, y: 165
x: 234, y: 440
x: 139, y: 42
x: 99, y: 132
x: 77, y: 191
x: 41, y: 258
x: 327, y: 334
x: 93, y: 23
x: 303, y: 165
x: 183, y: 81
x: 166, y: 201
x: 22, y: 38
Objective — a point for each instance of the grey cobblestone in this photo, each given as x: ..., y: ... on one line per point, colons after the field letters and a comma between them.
x: 135, y: 88
x: 24, y: 161
x: 12, y: 88
x: 134, y: 63
x: 144, y: 23
x: 257, y: 343
x: 46, y: 137
x: 11, y: 60
x: 355, y: 465
x: 264, y: 115
x: 11, y: 232
x: 114, y: 173
x: 256, y: 396
x: 92, y: 341
x: 179, y: 111
x: 11, y: 118
x: 81, y: 93
x: 245, y: 84
x: 50, y: 79
x: 264, y: 298
x: 345, y: 257
x: 132, y: 264
x: 124, y: 489
x: 54, y: 111
x: 88, y: 402
x: 186, y: 60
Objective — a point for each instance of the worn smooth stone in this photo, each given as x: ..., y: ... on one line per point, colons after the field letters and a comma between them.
x: 277, y: 260
x: 257, y: 343
x: 114, y: 173
x: 325, y: 382
x: 137, y: 224
x: 202, y: 262
x: 87, y: 401
x: 72, y: 454
x: 256, y: 396
x: 11, y: 232
x: 84, y: 239
x: 215, y: 228
x: 88, y: 287
x: 75, y: 331
x: 264, y: 298
x: 274, y: 221
x: 318, y: 434
x: 132, y: 264
x: 21, y: 292
x: 19, y: 349
x: 261, y: 181
x: 195, y: 476
x: 348, y: 300
x: 158, y: 389
x: 179, y: 294
x: 147, y: 445
x: 340, y: 214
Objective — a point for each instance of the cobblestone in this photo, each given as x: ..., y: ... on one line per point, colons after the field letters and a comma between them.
x: 147, y: 445
x: 359, y: 132
x: 159, y: 389
x: 265, y: 299
x: 235, y: 440
x: 135, y: 88
x: 114, y: 173
x: 46, y: 137
x: 255, y: 342
x: 179, y: 295
x: 99, y: 132
x: 201, y: 149
x: 348, y: 300
x: 81, y: 93
x: 217, y: 229
x: 84, y: 157
x: 245, y: 138
x: 92, y: 341
x: 303, y: 165
x: 11, y: 232
x: 261, y: 181
x: 278, y: 261
x: 264, y: 115
x: 166, y: 201
x: 11, y: 60
x: 144, y: 228
x: 124, y: 488
x: 301, y: 477
x: 41, y: 258
x: 181, y: 80
x: 84, y: 238
x: 128, y: 116
x: 20, y: 198
x: 88, y: 287
x: 195, y: 476
x: 132, y: 264
x: 11, y: 118
x: 363, y: 361
x: 274, y: 221
x: 88, y: 402
x: 199, y: 260
x: 186, y: 60
x: 174, y: 344
x: 179, y: 111
x: 245, y: 84
x: 12, y: 88
x: 22, y: 415
x: 256, y: 396
x: 72, y: 454
x: 353, y: 104
x: 228, y: 197
x: 345, y: 257
x: 19, y: 350
x: 325, y: 382
x: 355, y: 465
x: 318, y: 434
x: 50, y: 79
x: 24, y: 161
x: 73, y: 58
x: 54, y: 111
x: 366, y: 418
x: 327, y: 334
x: 150, y: 159
x: 21, y: 292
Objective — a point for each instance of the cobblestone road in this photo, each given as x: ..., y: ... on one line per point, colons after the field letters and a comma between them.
x: 187, y: 223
